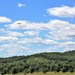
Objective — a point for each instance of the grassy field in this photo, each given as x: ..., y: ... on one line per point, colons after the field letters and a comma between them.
x: 49, y: 73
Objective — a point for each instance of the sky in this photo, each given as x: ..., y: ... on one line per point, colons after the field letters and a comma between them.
x: 34, y: 26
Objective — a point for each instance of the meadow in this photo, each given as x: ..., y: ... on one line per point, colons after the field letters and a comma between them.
x: 48, y: 73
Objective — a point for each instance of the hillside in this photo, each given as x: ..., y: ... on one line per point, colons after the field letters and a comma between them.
x: 42, y: 62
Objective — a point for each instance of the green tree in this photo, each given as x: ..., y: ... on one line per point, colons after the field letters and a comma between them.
x: 26, y: 71
x: 71, y: 70
x: 31, y: 69
x: 52, y: 67
x: 2, y: 73
x: 45, y: 70
x: 64, y: 69
x: 14, y: 70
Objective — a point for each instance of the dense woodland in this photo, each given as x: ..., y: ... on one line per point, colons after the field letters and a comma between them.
x: 43, y: 62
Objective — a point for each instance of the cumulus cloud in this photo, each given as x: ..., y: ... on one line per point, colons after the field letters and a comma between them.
x: 26, y: 25
x: 4, y: 19
x: 21, y: 5
x: 51, y: 36
x: 31, y: 33
x: 68, y: 45
x: 63, y: 11
x: 7, y: 38
x: 14, y: 34
x: 59, y: 30
x: 37, y: 40
x: 13, y: 49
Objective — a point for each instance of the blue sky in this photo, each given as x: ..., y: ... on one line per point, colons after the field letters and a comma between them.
x: 28, y: 27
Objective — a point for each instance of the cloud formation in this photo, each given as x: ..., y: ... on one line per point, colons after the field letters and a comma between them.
x: 7, y: 38
x: 57, y: 30
x: 63, y: 11
x: 25, y: 37
x: 4, y: 19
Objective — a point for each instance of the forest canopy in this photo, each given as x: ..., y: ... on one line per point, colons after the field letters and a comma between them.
x: 42, y: 62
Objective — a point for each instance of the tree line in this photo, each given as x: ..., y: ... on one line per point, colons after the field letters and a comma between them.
x: 43, y: 62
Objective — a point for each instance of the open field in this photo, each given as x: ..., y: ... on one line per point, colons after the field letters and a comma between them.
x: 49, y: 73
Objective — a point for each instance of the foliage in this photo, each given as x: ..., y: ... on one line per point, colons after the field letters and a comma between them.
x: 43, y: 62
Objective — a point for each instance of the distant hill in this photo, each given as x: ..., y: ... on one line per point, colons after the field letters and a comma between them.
x: 45, y: 62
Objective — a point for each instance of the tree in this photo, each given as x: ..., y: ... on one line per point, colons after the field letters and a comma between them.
x: 20, y: 69
x: 52, y: 67
x: 2, y: 73
x: 64, y: 69
x: 45, y: 70
x: 31, y: 69
x: 1, y: 68
x: 71, y: 70
x: 26, y: 71
x: 37, y: 67
x: 14, y: 70
x: 57, y: 68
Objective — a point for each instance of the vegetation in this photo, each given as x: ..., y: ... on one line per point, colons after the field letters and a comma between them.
x: 43, y: 62
x: 48, y: 73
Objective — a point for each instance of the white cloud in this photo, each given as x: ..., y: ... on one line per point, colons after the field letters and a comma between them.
x: 59, y: 30
x: 54, y: 35
x: 31, y: 33
x: 48, y: 41
x: 11, y: 33
x: 4, y: 19
x: 64, y: 11
x: 13, y: 49
x: 22, y: 34
x: 68, y: 45
x: 7, y: 38
x: 21, y: 5
x: 30, y: 41
x: 26, y: 25
x: 37, y: 40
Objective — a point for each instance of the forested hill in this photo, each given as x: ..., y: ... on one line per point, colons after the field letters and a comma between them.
x: 44, y: 62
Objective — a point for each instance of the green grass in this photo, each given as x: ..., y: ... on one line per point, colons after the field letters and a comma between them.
x: 48, y: 73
